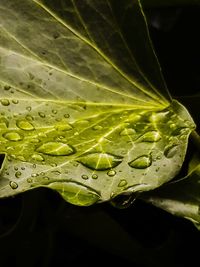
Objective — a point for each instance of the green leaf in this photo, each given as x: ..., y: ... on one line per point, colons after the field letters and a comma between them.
x: 80, y: 111
x: 181, y: 198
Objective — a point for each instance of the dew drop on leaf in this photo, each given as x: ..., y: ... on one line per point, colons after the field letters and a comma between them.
x: 100, y: 161
x: 75, y: 193
x: 37, y: 157
x: 94, y: 176
x: 111, y: 173
x: 56, y: 149
x: 127, y: 131
x: 29, y: 180
x: 15, y: 101
x: 13, y: 185
x: 151, y: 136
x: 122, y: 183
x: 141, y: 162
x: 12, y: 136
x: 170, y: 151
x: 18, y: 174
x: 5, y: 102
x: 97, y: 127
x: 42, y: 115
x: 85, y: 177
x: 63, y: 127
x: 25, y: 125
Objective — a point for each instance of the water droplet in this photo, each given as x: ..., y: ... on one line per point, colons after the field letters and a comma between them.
x: 85, y: 177
x: 15, y: 101
x: 37, y: 157
x: 122, y: 183
x: 66, y: 115
x: 151, y: 136
x: 56, y: 172
x: 29, y: 180
x: 16, y: 168
x: 127, y: 131
x: 12, y: 136
x: 7, y: 87
x: 94, y: 176
x: 5, y: 102
x: 141, y: 162
x: 41, y: 114
x: 56, y: 149
x: 13, y: 185
x: 54, y: 111
x: 170, y: 151
x: 34, y: 175
x: 5, y: 122
x: 25, y: 125
x: 63, y: 127
x: 97, y: 127
x: 111, y: 173
x: 29, y: 118
x: 75, y: 193
x: 100, y: 161
x: 18, y: 174
x: 28, y: 108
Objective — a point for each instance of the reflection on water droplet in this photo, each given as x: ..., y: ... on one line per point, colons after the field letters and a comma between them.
x: 56, y: 149
x: 97, y: 127
x: 15, y: 101
x: 122, y: 183
x: 28, y: 108
x: 18, y: 174
x: 37, y: 157
x: 63, y: 127
x: 127, y: 131
x: 13, y: 185
x: 94, y: 176
x: 12, y: 136
x: 100, y: 161
x: 111, y: 173
x: 85, y: 177
x: 76, y: 194
x: 151, y: 136
x: 141, y: 162
x: 41, y: 114
x: 5, y: 102
x: 25, y: 125
x: 170, y: 151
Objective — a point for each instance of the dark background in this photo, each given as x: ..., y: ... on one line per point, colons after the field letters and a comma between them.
x: 38, y: 228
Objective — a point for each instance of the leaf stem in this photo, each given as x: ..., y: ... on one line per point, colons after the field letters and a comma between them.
x: 196, y: 139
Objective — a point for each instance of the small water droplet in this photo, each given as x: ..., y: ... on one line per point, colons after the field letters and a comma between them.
x: 13, y: 185
x: 56, y: 149
x: 66, y: 115
x: 122, y: 183
x: 85, y: 177
x: 25, y: 125
x: 94, y: 176
x: 151, y: 136
x: 141, y: 162
x: 111, y: 173
x: 100, y: 161
x: 15, y: 101
x: 56, y: 172
x: 18, y: 174
x: 127, y: 131
x: 41, y: 114
x: 97, y: 127
x: 37, y: 157
x: 5, y: 102
x: 16, y: 168
x: 28, y: 108
x: 54, y: 111
x: 12, y: 136
x: 170, y: 151
x: 34, y: 175
x: 7, y: 87
x: 29, y: 180
x: 29, y: 118
x: 63, y: 127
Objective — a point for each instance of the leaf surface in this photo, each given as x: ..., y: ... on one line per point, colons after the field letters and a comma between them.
x: 84, y: 108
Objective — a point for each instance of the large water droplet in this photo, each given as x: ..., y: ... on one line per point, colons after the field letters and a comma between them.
x: 127, y: 131
x: 37, y: 157
x: 141, y: 162
x: 75, y: 193
x: 100, y: 161
x: 5, y: 102
x: 12, y: 136
x: 25, y: 125
x: 170, y: 151
x: 151, y: 136
x: 56, y: 149
x: 13, y: 185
